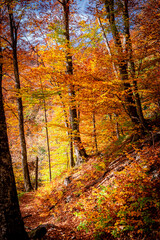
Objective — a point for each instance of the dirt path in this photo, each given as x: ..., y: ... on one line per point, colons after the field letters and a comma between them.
x: 32, y: 217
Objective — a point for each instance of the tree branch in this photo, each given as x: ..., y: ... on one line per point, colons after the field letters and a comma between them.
x: 107, y: 46
x: 60, y: 2
x: 6, y: 40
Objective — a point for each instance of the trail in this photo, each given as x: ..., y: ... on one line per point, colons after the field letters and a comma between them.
x: 32, y: 217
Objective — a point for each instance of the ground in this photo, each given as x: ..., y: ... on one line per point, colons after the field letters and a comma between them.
x: 58, y: 218
x: 32, y: 219
x: 55, y: 206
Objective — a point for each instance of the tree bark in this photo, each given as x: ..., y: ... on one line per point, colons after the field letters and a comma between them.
x: 131, y: 64
x: 123, y: 64
x: 47, y: 134
x: 71, y: 157
x: 94, y: 132
x: 78, y: 146
x: 36, y: 174
x: 69, y: 132
x: 13, y: 33
x: 107, y: 46
x: 12, y: 227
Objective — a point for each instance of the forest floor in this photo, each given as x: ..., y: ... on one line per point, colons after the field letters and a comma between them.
x: 32, y: 219
x: 55, y: 205
x: 60, y: 223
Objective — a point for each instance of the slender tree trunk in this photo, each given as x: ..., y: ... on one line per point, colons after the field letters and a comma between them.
x: 36, y: 174
x: 107, y: 46
x: 12, y: 227
x: 71, y: 157
x: 117, y: 127
x: 46, y: 124
x: 94, y: 132
x: 117, y: 130
x: 13, y: 33
x: 79, y: 149
x: 47, y: 136
x: 71, y: 148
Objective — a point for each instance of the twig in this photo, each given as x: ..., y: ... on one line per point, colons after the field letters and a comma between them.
x: 30, y: 215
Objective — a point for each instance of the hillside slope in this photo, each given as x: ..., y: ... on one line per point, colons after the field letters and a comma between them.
x: 111, y: 196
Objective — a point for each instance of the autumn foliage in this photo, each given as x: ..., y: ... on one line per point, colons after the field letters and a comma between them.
x: 86, y: 80
x: 103, y: 200
x: 128, y: 205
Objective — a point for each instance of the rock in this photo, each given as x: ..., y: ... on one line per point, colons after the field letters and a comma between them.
x: 67, y: 181
x: 138, y: 157
x: 68, y: 199
x: 38, y: 233
x: 155, y: 175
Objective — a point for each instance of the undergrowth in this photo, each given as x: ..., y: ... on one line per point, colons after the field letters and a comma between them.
x: 126, y: 206
x: 129, y: 204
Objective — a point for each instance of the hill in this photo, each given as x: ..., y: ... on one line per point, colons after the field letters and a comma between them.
x: 114, y: 195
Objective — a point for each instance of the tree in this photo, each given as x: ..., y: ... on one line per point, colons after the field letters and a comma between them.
x: 47, y: 134
x: 147, y: 45
x: 79, y: 149
x: 12, y: 227
x: 132, y: 101
x: 71, y: 155
x: 14, y: 37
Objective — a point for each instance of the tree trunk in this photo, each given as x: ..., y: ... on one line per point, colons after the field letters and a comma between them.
x: 129, y: 98
x: 47, y: 135
x: 117, y: 130
x: 12, y: 227
x: 13, y: 33
x: 108, y: 47
x: 123, y: 65
x: 36, y: 174
x: 71, y: 157
x: 131, y: 64
x: 117, y: 127
x: 94, y: 132
x: 79, y: 149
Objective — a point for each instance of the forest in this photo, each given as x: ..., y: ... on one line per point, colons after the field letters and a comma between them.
x: 79, y: 119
